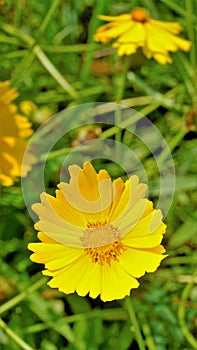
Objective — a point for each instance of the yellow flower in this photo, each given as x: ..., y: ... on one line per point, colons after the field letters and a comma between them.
x: 14, y: 129
x: 98, y: 236
x: 136, y: 29
x: 27, y: 107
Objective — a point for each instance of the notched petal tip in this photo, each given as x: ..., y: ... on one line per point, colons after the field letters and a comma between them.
x: 30, y: 247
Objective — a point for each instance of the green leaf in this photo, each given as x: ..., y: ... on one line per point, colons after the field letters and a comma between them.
x: 185, y: 232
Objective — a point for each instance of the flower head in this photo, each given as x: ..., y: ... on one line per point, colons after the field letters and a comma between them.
x: 137, y: 29
x: 14, y: 129
x: 97, y: 236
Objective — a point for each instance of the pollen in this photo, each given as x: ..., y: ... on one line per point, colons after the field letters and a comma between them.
x: 139, y: 15
x: 102, y: 243
x: 106, y: 253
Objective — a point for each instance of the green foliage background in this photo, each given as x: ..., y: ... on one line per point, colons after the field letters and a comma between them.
x: 48, y: 53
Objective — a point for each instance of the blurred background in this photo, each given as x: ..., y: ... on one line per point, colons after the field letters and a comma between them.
x: 49, y: 55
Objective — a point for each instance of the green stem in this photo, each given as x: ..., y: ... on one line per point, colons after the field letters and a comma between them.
x: 8, y: 40
x: 116, y: 314
x: 18, y: 298
x: 16, y: 33
x: 14, y: 336
x: 59, y: 153
x: 88, y: 57
x: 69, y: 48
x: 187, y: 260
x: 135, y: 323
x: 121, y: 85
x: 54, y: 72
x: 181, y: 314
x: 178, y: 9
x: 119, y: 96
x: 191, y: 33
x: 149, y: 338
x: 188, y: 75
x: 176, y: 140
x: 137, y: 116
x: 49, y: 14
x: 23, y: 68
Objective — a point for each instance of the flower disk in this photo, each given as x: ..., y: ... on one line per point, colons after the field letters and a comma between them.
x: 92, y: 245
x: 136, y: 29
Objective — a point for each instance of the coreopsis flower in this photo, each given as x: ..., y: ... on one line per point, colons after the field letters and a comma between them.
x: 97, y: 236
x: 14, y: 129
x: 137, y: 29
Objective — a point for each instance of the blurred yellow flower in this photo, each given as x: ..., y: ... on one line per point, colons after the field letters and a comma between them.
x: 136, y: 29
x: 27, y: 107
x: 98, y: 236
x: 14, y: 129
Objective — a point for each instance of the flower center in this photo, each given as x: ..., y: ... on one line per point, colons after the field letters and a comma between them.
x: 102, y: 243
x: 139, y: 15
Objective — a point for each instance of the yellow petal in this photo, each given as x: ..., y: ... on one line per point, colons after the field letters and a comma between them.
x: 67, y: 279
x: 83, y: 277
x: 66, y: 211
x: 158, y: 250
x: 116, y: 283
x: 113, y: 211
x: 135, y: 34
x: 120, y: 18
x: 67, y: 236
x: 135, y: 205
x: 147, y: 233
x: 6, y: 180
x: 148, y: 209
x: 137, y: 261
x: 162, y: 58
x: 133, y: 191
x: 125, y: 49
x: 95, y: 286
x: 44, y: 238
x: 85, y: 193
x: 150, y: 224
x: 103, y: 175
x: 47, y: 210
x: 100, y: 35
x: 156, y: 40
x: 71, y: 254
x: 113, y: 32
x: 129, y: 220
x: 46, y: 253
x: 106, y: 193
x: 87, y: 182
x: 7, y: 94
x: 27, y: 107
x: 172, y: 27
x: 11, y: 156
x: 24, y: 126
x: 182, y: 44
x: 161, y: 41
x: 91, y: 281
x: 147, y: 241
x: 14, y: 128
